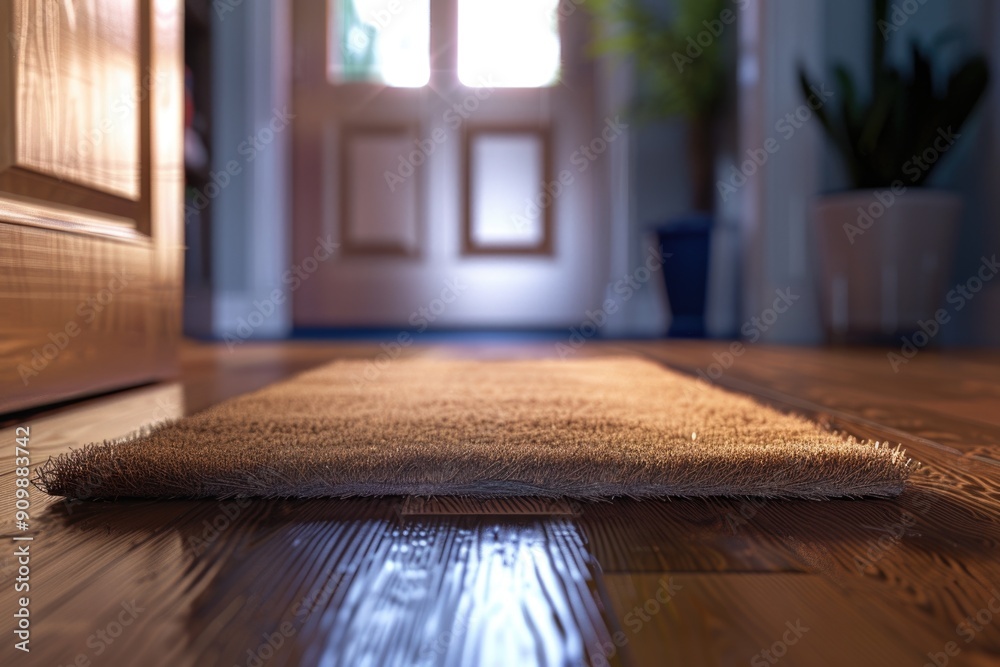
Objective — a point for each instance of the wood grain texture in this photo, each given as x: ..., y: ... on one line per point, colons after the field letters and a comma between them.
x: 91, y: 262
x: 418, y: 581
x: 77, y: 73
x: 732, y: 619
x: 682, y: 535
x: 951, y: 398
x: 354, y: 582
x: 82, y: 314
x: 930, y: 556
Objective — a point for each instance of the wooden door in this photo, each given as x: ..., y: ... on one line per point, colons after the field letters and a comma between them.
x: 91, y: 169
x: 457, y: 186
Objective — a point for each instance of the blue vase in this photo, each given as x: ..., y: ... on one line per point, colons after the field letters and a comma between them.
x: 686, y: 242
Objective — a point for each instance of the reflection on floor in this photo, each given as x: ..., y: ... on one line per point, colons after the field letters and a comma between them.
x: 450, y: 581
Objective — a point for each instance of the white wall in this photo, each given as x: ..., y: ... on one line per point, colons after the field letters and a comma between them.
x: 983, y: 326
x: 252, y: 52
x: 774, y: 202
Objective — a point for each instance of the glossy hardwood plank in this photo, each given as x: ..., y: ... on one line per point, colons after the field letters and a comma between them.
x: 929, y: 557
x: 755, y: 619
x: 923, y: 398
x: 679, y: 535
x: 354, y: 582
x: 392, y: 581
x: 411, y: 579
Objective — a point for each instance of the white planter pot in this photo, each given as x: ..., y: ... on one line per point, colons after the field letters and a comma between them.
x: 885, y: 259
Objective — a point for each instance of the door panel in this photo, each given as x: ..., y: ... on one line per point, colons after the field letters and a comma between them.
x: 90, y: 196
x: 75, y: 98
x: 371, y: 223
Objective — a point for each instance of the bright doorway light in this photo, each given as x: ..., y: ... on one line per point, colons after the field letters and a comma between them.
x: 513, y: 43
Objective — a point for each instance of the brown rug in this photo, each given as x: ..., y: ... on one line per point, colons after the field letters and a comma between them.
x: 589, y: 428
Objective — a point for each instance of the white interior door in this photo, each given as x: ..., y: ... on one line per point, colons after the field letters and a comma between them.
x: 449, y: 148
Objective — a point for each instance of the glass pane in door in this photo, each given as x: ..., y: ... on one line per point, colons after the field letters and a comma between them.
x: 379, y: 41
x: 513, y: 43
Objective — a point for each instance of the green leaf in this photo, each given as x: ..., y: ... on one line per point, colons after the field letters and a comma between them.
x: 672, y: 79
x: 904, y: 111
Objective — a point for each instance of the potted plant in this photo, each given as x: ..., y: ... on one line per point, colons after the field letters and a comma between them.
x: 886, y: 244
x: 682, y: 62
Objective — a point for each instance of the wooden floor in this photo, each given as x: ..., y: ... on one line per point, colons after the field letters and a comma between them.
x: 409, y: 581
